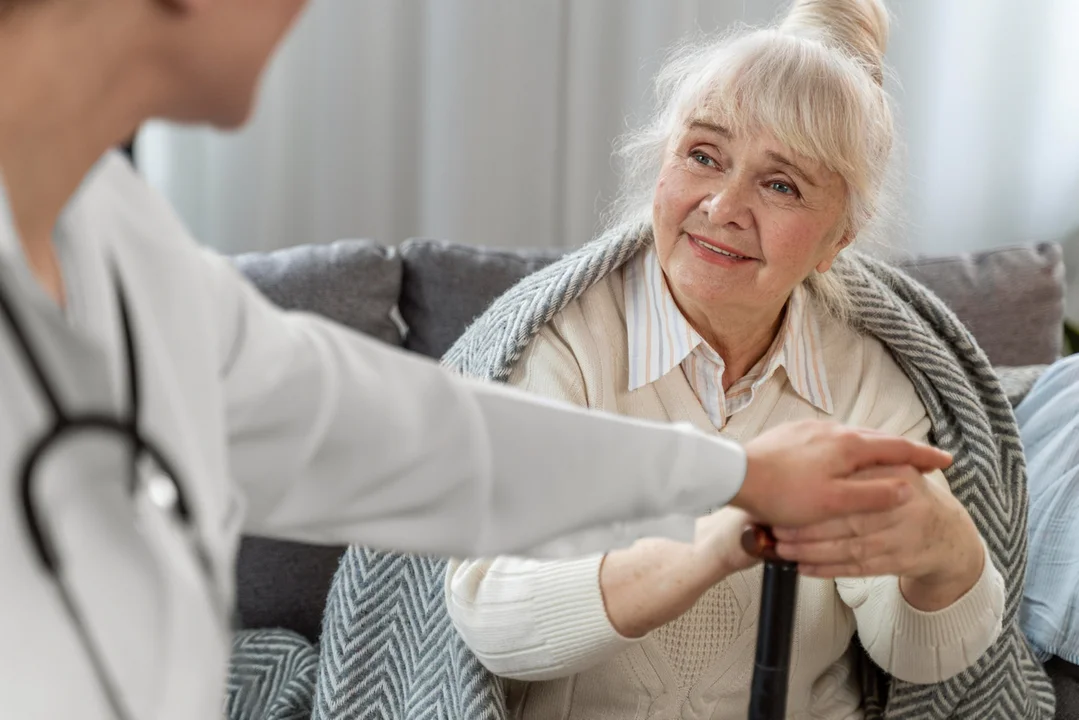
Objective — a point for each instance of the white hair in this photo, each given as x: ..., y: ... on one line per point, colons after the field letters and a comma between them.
x: 814, y: 81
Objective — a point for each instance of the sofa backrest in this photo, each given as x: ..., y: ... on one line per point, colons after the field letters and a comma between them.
x: 447, y: 285
x: 353, y: 282
x: 1012, y: 299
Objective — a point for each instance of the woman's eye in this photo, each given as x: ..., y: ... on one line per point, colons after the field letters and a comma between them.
x: 781, y: 187
x: 702, y: 158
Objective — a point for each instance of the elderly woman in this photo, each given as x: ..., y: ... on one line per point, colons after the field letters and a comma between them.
x: 719, y: 299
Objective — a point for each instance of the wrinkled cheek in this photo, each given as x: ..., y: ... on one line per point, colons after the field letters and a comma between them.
x: 664, y: 222
x: 661, y: 199
x: 671, y: 204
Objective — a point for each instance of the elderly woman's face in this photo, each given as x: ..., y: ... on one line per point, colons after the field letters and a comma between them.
x: 741, y: 221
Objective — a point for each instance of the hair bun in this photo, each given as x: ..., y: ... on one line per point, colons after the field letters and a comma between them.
x: 859, y: 27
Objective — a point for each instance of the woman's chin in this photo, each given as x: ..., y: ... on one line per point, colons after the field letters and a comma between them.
x: 705, y: 288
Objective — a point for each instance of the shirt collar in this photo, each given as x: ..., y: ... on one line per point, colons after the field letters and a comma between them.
x: 10, y: 245
x: 660, y: 336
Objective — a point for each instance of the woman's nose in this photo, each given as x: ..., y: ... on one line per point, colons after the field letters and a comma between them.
x: 728, y: 205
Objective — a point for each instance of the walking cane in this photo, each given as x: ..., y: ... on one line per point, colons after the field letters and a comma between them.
x: 775, y: 629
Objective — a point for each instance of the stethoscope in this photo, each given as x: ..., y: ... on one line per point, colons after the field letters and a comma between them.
x: 163, y: 487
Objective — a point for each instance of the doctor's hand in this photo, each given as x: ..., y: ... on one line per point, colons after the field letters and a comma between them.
x: 806, y: 472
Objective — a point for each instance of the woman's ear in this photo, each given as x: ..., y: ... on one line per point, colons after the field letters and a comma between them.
x: 826, y: 264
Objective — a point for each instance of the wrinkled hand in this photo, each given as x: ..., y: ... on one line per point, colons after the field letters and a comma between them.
x: 654, y: 581
x: 802, y: 473
x: 717, y: 544
x: 929, y: 542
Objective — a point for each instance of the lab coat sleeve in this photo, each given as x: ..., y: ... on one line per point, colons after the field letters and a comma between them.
x: 335, y: 437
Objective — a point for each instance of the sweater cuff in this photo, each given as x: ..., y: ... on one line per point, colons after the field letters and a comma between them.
x: 933, y: 646
x: 570, y: 615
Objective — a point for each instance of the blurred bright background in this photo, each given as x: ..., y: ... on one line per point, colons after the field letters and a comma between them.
x: 491, y: 122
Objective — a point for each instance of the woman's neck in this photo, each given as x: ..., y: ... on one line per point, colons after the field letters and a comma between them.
x: 740, y: 337
x: 64, y: 105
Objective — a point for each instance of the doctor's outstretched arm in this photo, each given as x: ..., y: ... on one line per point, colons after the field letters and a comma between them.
x: 336, y: 437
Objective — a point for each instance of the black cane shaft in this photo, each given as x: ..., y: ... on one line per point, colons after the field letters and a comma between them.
x: 775, y: 636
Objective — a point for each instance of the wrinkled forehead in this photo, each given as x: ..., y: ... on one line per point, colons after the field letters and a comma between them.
x: 797, y: 104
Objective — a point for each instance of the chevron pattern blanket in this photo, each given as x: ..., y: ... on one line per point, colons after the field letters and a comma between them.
x: 271, y: 676
x: 389, y: 650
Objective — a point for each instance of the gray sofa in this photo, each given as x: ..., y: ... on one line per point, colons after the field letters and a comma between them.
x: 423, y: 294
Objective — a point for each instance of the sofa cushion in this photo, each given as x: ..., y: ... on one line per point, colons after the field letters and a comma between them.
x: 281, y: 584
x: 1012, y: 299
x: 1065, y: 677
x: 1018, y: 381
x: 446, y: 286
x: 355, y: 282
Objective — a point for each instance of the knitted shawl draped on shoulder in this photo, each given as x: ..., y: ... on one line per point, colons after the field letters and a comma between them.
x: 389, y: 649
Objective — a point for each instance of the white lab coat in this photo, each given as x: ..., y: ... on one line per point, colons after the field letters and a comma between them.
x: 280, y: 424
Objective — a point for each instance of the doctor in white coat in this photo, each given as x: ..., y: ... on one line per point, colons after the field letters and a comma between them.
x: 153, y: 405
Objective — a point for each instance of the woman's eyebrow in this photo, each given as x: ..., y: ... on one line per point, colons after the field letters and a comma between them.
x: 776, y: 157
x: 712, y: 127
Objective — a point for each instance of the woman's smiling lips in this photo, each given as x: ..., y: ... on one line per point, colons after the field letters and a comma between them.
x: 716, y: 252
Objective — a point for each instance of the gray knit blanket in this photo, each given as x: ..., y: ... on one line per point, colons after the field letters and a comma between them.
x: 271, y: 676
x: 389, y: 650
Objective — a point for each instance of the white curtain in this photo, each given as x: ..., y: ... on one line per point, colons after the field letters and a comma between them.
x: 491, y: 122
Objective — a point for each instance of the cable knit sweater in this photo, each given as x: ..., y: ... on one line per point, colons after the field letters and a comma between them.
x: 544, y: 622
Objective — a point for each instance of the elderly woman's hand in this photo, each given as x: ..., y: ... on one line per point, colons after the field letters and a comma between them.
x: 656, y: 580
x: 717, y: 544
x: 929, y: 542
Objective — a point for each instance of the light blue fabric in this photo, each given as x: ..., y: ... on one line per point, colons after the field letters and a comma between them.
x: 1049, y: 425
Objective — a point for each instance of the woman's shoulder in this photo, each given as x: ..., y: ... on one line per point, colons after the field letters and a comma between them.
x: 844, y: 347
x: 574, y: 348
x: 868, y: 386
x: 593, y: 323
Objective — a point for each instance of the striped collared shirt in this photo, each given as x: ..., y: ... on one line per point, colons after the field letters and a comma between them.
x: 661, y: 338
